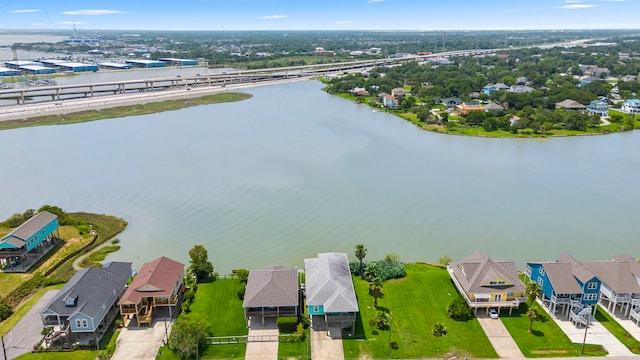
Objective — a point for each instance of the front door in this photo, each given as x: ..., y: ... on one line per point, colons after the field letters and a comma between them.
x: 497, y: 297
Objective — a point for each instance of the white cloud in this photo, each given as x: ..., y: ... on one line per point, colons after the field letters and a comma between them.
x: 345, y: 22
x: 71, y: 23
x: 93, y: 12
x: 577, y: 6
x: 269, y: 17
x: 38, y: 24
x: 22, y: 11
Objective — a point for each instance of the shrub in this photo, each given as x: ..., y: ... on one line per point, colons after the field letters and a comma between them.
x: 394, y: 345
x: 389, y: 268
x: 189, y: 295
x: 439, y: 329
x: 241, y: 293
x: 186, y: 307
x: 5, y: 310
x: 287, y: 324
x: 459, y: 309
x: 243, y: 275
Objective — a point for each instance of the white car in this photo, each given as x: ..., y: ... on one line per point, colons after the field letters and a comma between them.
x: 493, y: 314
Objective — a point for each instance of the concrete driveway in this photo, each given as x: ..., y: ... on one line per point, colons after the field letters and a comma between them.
x: 26, y: 333
x: 500, y: 338
x: 263, y: 340
x: 596, y: 334
x: 141, y: 343
x: 326, y: 347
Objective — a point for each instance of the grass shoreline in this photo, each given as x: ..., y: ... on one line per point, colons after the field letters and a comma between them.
x: 150, y: 107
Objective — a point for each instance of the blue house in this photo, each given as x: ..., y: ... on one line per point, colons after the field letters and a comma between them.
x: 84, y: 308
x: 568, y: 287
x: 598, y: 107
x: 331, y: 297
x: 390, y: 102
x: 31, y: 235
x: 491, y: 88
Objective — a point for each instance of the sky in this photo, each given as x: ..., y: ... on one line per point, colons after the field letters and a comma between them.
x: 320, y: 15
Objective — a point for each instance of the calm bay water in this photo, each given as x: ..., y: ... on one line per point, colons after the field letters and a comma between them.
x: 294, y: 171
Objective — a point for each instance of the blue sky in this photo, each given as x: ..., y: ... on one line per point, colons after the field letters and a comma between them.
x: 320, y: 15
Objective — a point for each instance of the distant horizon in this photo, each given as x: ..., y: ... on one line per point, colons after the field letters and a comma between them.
x: 328, y: 15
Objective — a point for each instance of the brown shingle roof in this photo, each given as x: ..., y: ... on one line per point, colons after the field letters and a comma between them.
x: 477, y: 271
x: 156, y: 278
x: 271, y: 287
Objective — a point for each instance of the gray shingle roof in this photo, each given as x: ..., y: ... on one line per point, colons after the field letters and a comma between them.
x: 33, y: 225
x: 95, y: 288
x: 329, y: 283
x: 477, y: 270
x: 561, y: 277
x: 619, y: 274
x: 271, y: 287
x: 579, y: 271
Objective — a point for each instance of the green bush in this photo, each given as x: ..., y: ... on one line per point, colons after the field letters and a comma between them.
x: 241, y: 293
x: 459, y: 309
x: 287, y: 324
x: 439, y: 329
x: 5, y: 310
x: 389, y: 268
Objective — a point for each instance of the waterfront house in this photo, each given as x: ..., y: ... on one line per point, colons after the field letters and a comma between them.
x: 629, y: 78
x: 570, y: 105
x: 620, y: 287
x: 631, y: 106
x: 30, y: 238
x: 598, y: 107
x: 487, y: 283
x: 491, y: 88
x: 331, y: 296
x: 360, y: 92
x: 568, y: 287
x: 467, y: 107
x: 157, y: 284
x: 83, y: 309
x: 271, y: 292
x: 390, y: 102
x: 398, y: 92
x: 522, y: 81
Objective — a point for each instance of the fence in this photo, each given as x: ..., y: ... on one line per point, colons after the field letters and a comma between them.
x: 243, y: 339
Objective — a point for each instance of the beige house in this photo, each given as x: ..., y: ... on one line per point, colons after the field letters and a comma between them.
x: 487, y: 283
x: 398, y: 92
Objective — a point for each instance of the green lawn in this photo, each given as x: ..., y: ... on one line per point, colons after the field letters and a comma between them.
x: 416, y: 302
x: 295, y: 349
x: 547, y: 339
x: 218, y: 303
x: 618, y: 331
x: 21, y: 311
x: 73, y: 355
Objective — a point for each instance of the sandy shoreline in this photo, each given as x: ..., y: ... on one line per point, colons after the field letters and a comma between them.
x: 26, y: 111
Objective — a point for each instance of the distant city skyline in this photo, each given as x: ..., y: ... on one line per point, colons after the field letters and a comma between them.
x: 322, y: 15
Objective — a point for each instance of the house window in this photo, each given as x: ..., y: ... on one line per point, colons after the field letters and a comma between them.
x: 316, y: 308
x: 588, y: 297
x: 540, y: 282
x: 592, y: 286
x: 541, y: 270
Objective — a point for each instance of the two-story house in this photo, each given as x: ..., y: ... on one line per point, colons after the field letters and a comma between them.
x: 568, y: 287
x: 271, y: 293
x: 487, y: 283
x: 16, y: 246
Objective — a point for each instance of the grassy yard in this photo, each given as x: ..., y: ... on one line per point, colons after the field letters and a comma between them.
x: 416, y: 302
x: 618, y: 331
x: 547, y: 339
x: 295, y: 349
x: 19, y: 312
x: 122, y: 111
x: 218, y: 303
x: 73, y: 355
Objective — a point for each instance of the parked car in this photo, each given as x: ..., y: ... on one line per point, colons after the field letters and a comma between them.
x: 493, y: 314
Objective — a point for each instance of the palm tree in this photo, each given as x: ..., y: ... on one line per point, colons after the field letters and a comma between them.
x: 532, y: 314
x: 360, y: 253
x: 531, y: 291
x: 370, y: 272
x: 375, y: 288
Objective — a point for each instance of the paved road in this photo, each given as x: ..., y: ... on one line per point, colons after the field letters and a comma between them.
x: 26, y: 333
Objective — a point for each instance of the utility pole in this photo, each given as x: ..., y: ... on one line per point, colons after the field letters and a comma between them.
x: 4, y: 351
x: 584, y: 339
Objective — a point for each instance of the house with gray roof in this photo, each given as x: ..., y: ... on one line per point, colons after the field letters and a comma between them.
x: 568, y: 287
x: 570, y: 105
x: 271, y: 292
x: 31, y: 237
x: 620, y: 288
x: 487, y: 283
x: 84, y: 308
x: 331, y: 296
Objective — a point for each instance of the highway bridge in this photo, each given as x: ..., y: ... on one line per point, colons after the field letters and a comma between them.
x: 59, y: 92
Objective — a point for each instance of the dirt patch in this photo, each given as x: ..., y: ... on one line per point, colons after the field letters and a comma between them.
x: 543, y: 352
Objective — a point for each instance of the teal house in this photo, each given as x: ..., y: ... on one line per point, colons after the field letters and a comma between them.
x: 29, y: 237
x: 331, y: 297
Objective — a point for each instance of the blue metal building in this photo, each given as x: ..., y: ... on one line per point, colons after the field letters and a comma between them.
x: 146, y: 63
x: 112, y: 65
x: 8, y: 72
x: 37, y: 69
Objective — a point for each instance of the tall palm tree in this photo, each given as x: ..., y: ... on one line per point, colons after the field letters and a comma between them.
x: 375, y: 288
x: 531, y: 291
x: 532, y: 314
x: 360, y: 253
x: 370, y: 272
